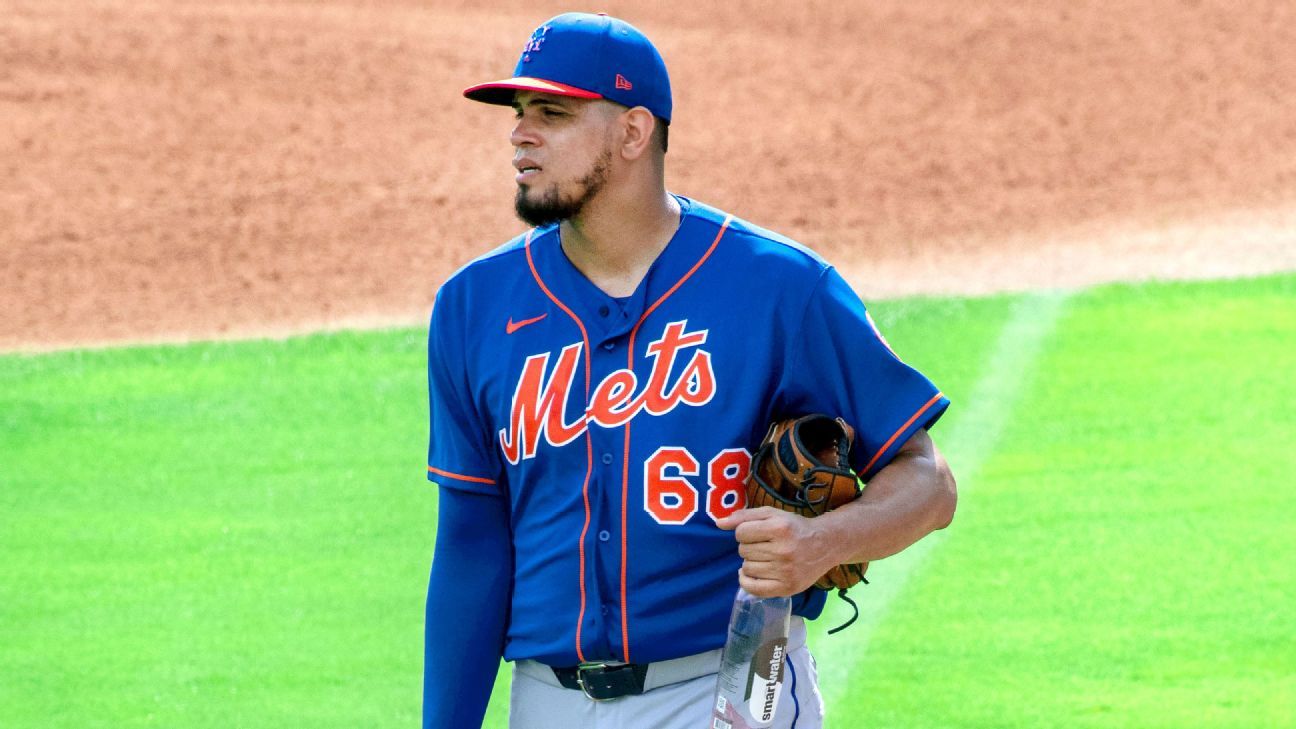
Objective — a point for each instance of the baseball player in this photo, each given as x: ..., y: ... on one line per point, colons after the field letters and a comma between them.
x: 597, y: 387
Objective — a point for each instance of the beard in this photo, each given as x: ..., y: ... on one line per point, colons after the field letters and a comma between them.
x: 553, y: 206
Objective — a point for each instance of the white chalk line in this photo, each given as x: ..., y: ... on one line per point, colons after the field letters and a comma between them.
x: 966, y: 442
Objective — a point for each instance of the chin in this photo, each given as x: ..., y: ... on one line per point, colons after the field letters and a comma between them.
x: 529, y: 193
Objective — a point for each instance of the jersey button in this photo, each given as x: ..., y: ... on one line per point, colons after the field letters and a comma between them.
x: 609, y: 346
x: 606, y: 610
x: 607, y: 459
x: 605, y: 535
x: 604, y: 311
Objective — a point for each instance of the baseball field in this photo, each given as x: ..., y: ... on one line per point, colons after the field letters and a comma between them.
x: 222, y: 225
x: 237, y: 534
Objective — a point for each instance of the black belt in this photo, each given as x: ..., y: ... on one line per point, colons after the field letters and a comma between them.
x: 602, y: 681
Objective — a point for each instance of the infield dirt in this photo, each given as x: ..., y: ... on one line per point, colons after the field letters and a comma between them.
x: 177, y: 170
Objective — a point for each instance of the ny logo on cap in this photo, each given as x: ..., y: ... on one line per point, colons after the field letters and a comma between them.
x: 533, y: 45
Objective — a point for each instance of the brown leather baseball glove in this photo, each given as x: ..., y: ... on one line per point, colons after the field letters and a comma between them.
x: 803, y: 466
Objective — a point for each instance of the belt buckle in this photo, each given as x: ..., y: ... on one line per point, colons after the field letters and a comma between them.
x: 591, y: 666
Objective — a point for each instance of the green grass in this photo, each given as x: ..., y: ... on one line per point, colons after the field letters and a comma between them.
x: 238, y: 534
x: 1124, y: 557
x: 214, y: 535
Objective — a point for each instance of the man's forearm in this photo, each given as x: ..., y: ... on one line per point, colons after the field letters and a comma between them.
x: 914, y: 495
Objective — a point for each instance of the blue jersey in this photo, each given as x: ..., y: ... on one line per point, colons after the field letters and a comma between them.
x: 619, y: 430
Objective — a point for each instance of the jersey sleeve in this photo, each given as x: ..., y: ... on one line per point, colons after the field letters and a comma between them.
x: 461, y: 654
x: 839, y: 364
x: 460, y: 455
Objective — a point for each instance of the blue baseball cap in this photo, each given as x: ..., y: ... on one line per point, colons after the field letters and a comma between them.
x: 587, y: 56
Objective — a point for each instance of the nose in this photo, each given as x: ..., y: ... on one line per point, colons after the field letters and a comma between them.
x: 523, y: 134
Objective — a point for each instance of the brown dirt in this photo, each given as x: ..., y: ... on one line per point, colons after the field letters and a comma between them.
x: 174, y: 170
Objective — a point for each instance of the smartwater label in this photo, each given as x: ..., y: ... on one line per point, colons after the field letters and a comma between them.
x: 765, y: 681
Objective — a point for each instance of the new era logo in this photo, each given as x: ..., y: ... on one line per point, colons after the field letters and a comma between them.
x: 623, y: 83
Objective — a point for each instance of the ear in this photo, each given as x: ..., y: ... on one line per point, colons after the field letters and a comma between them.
x: 637, y: 127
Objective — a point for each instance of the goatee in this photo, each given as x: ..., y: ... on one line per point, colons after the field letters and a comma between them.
x: 552, y: 207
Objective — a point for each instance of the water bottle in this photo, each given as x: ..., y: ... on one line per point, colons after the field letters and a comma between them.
x: 750, y: 680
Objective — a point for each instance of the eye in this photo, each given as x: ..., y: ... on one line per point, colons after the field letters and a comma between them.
x: 553, y: 113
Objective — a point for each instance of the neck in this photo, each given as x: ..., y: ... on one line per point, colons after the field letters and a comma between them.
x: 616, y: 238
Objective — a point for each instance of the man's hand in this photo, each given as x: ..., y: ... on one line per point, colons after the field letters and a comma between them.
x: 783, y: 553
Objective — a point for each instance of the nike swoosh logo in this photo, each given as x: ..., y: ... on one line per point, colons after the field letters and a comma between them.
x: 513, y: 326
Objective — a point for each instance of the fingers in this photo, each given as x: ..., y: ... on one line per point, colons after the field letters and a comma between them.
x: 771, y: 543
x: 764, y: 570
x: 766, y: 551
x: 763, y: 524
x: 743, y: 516
x: 772, y: 526
x: 774, y: 579
x: 763, y: 586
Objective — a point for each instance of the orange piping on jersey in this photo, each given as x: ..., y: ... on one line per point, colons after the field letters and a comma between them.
x: 589, y: 443
x: 935, y: 399
x: 474, y: 479
x: 625, y: 490
x: 625, y: 460
x: 685, y: 277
